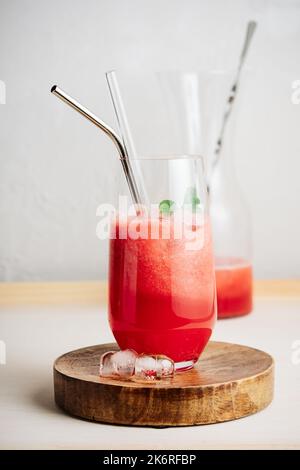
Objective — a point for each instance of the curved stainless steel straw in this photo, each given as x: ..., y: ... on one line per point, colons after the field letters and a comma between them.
x: 108, y: 131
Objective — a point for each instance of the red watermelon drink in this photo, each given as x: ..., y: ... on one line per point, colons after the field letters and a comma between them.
x: 234, y: 287
x: 162, y: 294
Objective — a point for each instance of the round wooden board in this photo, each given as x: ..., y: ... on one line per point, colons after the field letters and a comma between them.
x: 229, y: 381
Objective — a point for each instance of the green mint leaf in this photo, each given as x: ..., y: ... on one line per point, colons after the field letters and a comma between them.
x: 195, y: 203
x: 166, y: 206
x: 192, y: 198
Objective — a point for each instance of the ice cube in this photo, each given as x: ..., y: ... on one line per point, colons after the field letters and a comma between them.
x: 146, y: 367
x: 166, y: 366
x: 124, y: 362
x: 152, y: 367
x: 106, y: 365
x: 118, y: 364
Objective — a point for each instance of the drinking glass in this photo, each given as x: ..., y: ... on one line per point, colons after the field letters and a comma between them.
x: 162, y: 296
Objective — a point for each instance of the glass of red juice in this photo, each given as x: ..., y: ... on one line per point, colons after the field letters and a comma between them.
x: 162, y: 295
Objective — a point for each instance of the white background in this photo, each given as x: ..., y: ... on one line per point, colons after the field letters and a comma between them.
x: 55, y: 169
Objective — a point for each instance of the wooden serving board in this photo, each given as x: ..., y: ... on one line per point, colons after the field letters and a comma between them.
x: 229, y: 381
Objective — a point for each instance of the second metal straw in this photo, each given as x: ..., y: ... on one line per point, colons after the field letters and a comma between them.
x: 108, y: 131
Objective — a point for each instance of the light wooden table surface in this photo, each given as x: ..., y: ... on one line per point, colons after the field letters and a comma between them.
x: 38, y: 322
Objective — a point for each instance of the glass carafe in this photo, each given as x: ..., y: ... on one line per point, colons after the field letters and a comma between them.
x: 230, y: 217
x: 199, y: 102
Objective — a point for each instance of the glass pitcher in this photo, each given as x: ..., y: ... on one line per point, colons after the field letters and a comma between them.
x: 231, y: 224
x: 199, y: 100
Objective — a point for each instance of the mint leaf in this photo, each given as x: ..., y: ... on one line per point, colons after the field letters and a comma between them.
x: 166, y: 206
x: 195, y: 203
x: 192, y: 198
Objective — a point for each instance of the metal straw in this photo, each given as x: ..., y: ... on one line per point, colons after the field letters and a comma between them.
x: 233, y: 92
x: 108, y: 131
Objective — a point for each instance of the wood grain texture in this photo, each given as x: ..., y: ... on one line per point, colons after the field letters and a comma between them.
x: 229, y: 381
x: 95, y: 292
